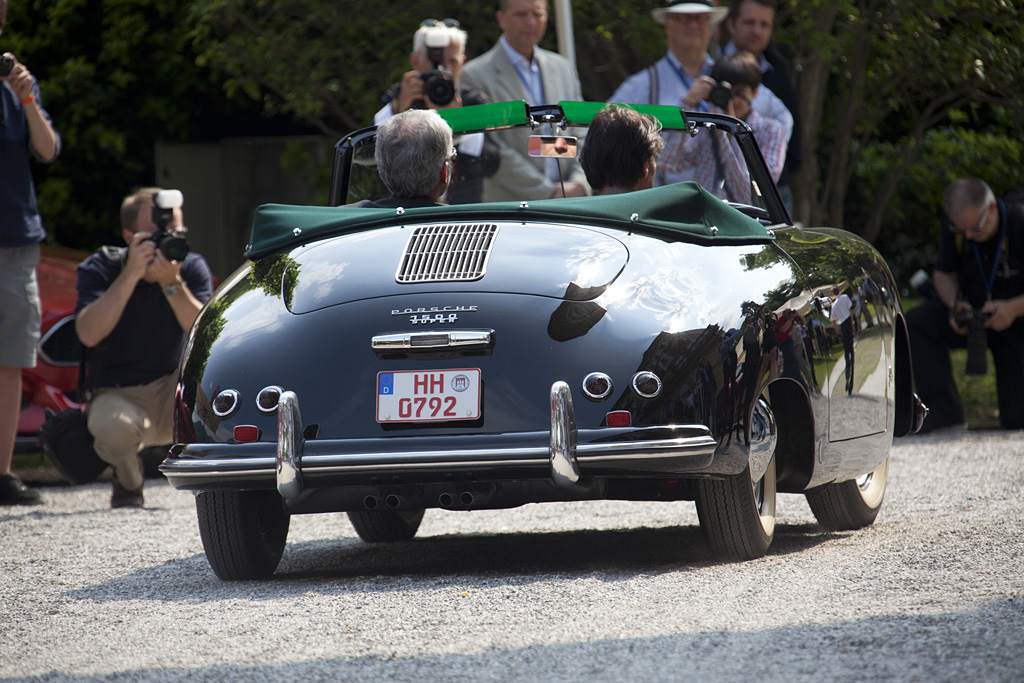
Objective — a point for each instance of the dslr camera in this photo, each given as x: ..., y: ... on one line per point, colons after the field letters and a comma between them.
x: 6, y: 64
x: 438, y: 83
x: 720, y: 94
x: 171, y: 243
x: 977, y: 339
x: 973, y: 320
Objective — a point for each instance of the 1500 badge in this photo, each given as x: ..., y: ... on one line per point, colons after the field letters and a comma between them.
x: 434, y: 315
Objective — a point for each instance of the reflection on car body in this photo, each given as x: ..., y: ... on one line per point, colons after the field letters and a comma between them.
x: 615, y: 347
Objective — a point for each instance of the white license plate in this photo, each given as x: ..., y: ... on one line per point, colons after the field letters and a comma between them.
x: 428, y: 395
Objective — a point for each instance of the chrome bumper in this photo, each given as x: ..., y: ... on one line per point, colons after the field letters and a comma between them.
x: 562, y: 455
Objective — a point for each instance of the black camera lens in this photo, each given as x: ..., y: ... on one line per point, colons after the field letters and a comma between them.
x: 720, y: 95
x: 174, y: 247
x: 6, y: 64
x: 438, y: 86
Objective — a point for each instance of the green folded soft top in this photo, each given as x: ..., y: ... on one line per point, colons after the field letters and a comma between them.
x: 685, y: 211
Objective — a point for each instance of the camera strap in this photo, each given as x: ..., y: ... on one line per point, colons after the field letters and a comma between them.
x: 990, y: 279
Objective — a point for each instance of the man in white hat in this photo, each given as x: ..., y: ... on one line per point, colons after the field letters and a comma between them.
x: 688, y: 29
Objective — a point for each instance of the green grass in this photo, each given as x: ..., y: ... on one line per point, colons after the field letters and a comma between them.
x: 978, y: 392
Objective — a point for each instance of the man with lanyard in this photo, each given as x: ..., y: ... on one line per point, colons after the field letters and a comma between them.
x: 981, y: 254
x: 516, y: 69
x: 688, y: 29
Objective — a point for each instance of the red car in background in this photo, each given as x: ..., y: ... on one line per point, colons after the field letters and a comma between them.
x: 53, y: 383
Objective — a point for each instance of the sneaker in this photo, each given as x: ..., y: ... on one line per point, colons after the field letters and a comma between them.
x: 14, y: 492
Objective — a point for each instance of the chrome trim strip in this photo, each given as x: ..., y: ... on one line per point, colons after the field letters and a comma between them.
x: 289, y: 446
x: 431, y: 339
x: 564, y: 470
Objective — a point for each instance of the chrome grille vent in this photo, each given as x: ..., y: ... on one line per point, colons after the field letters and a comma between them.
x: 447, y: 253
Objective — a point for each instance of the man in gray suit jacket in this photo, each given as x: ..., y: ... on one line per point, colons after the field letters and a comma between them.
x: 516, y: 69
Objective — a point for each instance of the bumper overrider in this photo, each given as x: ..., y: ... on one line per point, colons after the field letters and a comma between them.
x: 563, y: 455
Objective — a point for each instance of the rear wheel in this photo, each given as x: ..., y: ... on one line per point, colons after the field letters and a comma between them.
x: 737, y: 514
x: 852, y: 504
x: 385, y: 526
x: 243, y: 532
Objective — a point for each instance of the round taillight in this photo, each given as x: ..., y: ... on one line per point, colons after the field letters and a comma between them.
x: 597, y: 386
x: 646, y: 384
x: 267, y: 399
x: 225, y: 403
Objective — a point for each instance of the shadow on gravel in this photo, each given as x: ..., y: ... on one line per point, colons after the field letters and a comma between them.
x: 348, y: 565
x: 981, y: 644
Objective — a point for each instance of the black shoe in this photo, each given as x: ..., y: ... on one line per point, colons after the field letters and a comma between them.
x: 126, y: 498
x: 121, y: 497
x: 14, y: 492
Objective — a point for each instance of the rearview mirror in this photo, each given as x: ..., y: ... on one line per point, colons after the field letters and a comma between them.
x: 552, y: 146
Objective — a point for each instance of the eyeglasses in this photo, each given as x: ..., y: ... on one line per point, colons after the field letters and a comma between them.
x: 974, y: 228
x: 430, y: 23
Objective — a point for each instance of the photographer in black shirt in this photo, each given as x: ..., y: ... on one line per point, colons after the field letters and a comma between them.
x: 978, y: 304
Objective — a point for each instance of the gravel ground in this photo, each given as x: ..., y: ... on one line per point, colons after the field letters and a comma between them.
x: 597, y: 591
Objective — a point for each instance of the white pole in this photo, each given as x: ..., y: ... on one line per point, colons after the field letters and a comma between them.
x: 563, y: 20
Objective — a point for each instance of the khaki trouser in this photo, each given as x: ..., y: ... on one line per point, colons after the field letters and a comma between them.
x: 125, y: 420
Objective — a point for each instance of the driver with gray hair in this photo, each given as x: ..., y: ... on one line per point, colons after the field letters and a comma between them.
x: 414, y: 154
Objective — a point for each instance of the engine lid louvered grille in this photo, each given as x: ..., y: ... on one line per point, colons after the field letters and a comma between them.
x: 447, y: 253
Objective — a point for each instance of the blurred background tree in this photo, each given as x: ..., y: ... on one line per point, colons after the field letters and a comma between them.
x: 897, y: 97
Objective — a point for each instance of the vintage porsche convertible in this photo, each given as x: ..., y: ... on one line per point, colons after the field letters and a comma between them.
x: 669, y: 344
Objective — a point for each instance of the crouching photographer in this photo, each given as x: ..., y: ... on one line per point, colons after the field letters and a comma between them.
x: 976, y: 302
x: 134, y: 306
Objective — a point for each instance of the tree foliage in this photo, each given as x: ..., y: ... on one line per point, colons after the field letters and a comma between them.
x: 891, y: 70
x: 876, y: 78
x: 116, y: 76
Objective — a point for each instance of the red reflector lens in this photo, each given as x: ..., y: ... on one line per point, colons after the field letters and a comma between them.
x: 619, y: 418
x: 246, y: 433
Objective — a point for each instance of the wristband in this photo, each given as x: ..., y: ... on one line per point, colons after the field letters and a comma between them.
x: 28, y: 100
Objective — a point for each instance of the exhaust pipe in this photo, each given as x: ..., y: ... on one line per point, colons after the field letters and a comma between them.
x: 371, y: 502
x: 446, y: 500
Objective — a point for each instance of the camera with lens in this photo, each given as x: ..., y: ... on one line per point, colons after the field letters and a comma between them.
x: 6, y: 64
x: 720, y: 94
x: 171, y: 243
x: 977, y: 339
x: 438, y: 83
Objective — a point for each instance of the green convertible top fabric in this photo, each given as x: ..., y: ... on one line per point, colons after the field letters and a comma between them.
x: 684, y: 211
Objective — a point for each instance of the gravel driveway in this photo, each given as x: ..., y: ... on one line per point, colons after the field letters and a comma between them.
x: 596, y: 591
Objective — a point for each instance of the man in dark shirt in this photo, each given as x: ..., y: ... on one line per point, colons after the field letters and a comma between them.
x: 25, y: 130
x: 442, y: 44
x: 979, y: 270
x: 134, y: 307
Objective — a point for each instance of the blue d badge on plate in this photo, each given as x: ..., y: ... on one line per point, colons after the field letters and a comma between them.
x: 385, y: 384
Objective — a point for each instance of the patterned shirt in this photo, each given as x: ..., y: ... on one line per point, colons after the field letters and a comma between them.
x: 714, y: 160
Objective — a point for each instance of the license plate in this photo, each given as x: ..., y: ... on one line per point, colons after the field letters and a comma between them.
x: 428, y: 395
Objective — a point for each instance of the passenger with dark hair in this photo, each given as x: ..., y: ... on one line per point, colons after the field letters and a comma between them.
x: 621, y: 150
